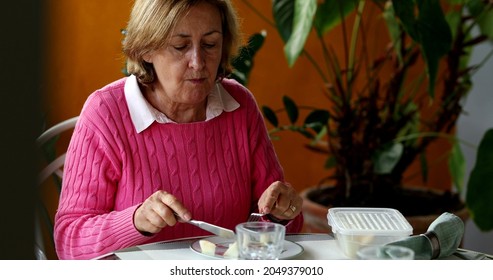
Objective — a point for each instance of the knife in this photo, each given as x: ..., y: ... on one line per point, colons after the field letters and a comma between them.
x: 217, y: 230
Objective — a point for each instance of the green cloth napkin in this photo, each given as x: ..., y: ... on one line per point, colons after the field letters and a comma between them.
x: 471, y: 255
x: 441, y: 240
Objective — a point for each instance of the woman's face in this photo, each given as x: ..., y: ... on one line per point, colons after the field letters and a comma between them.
x: 186, y: 67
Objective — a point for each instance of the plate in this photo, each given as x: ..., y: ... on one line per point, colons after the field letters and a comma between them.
x: 291, y: 249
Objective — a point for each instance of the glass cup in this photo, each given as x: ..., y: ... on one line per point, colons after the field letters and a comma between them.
x: 260, y: 240
x: 385, y: 252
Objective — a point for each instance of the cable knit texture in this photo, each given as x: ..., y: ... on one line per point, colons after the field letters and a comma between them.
x: 217, y: 168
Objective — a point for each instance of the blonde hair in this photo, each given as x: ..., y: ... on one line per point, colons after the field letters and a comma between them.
x: 151, y: 23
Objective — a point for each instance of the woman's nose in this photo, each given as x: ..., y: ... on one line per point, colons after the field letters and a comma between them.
x: 196, y: 59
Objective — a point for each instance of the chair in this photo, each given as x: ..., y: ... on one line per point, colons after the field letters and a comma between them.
x: 54, y: 168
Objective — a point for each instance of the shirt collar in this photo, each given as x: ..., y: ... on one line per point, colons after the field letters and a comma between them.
x: 143, y: 114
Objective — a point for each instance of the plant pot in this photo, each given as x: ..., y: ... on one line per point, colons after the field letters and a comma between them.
x: 315, y: 215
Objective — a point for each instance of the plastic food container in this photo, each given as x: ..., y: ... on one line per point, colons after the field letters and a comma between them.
x: 355, y: 228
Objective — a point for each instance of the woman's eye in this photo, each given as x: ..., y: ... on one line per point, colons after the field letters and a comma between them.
x: 209, y: 46
x: 180, y: 47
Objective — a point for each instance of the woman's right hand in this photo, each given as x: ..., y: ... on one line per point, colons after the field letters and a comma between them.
x: 158, y: 211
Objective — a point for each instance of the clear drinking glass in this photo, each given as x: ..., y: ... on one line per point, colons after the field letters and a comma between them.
x: 260, y: 240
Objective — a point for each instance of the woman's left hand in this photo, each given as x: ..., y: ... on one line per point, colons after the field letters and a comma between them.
x: 280, y: 200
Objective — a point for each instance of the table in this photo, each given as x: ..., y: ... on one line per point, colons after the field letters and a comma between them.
x: 315, y: 247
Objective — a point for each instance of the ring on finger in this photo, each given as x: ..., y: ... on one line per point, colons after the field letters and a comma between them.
x: 293, y: 208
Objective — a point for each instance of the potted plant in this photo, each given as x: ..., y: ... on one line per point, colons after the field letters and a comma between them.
x: 386, y: 108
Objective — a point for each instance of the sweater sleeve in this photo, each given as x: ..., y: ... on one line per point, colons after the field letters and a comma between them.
x: 86, y: 224
x: 266, y: 168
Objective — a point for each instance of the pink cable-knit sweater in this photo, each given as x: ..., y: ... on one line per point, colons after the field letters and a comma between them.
x: 217, y: 168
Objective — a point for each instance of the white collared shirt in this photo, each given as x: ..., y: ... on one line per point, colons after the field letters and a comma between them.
x: 143, y: 114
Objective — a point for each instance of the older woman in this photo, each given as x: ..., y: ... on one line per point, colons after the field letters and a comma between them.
x: 175, y: 140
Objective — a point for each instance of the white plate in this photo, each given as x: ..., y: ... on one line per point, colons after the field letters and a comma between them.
x: 291, y: 249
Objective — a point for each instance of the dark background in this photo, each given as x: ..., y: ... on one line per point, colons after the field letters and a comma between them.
x: 21, y: 86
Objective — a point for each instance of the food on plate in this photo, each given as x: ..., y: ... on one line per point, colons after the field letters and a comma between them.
x: 232, y: 251
x: 265, y: 238
x: 207, y: 247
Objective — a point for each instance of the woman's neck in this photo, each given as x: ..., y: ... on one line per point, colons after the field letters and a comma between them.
x: 178, y: 112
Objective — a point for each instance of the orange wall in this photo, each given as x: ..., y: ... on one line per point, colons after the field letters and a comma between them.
x: 83, y: 51
x: 83, y: 54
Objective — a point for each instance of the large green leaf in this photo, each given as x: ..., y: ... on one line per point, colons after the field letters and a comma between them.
x: 291, y: 109
x: 386, y: 159
x: 457, y: 166
x: 454, y: 20
x: 429, y: 28
x: 483, y: 13
x: 404, y: 10
x: 479, y: 195
x: 486, y: 24
x: 331, y: 12
x: 270, y: 115
x: 317, y: 119
x: 243, y: 63
x: 283, y: 13
x: 304, y: 12
x: 435, y: 37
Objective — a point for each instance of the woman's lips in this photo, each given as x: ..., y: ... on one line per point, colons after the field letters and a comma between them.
x: 197, y: 81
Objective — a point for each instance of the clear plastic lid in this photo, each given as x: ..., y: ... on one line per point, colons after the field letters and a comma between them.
x: 362, y: 221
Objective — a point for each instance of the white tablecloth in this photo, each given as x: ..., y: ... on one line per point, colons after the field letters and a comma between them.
x: 315, y: 247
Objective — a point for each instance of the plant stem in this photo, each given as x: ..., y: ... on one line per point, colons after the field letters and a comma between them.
x: 352, y: 47
x: 328, y: 61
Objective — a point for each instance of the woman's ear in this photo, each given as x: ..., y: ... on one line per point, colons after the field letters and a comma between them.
x: 147, y: 57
